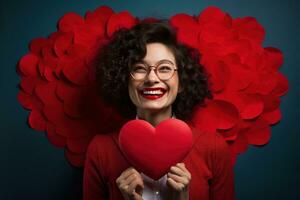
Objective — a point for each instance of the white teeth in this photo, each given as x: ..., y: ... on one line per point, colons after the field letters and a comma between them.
x: 153, y: 92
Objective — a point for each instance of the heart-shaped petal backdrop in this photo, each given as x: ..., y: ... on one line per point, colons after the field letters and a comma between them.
x: 58, y: 78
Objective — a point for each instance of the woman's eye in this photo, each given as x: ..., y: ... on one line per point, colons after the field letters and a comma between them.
x: 165, y: 69
x: 139, y: 69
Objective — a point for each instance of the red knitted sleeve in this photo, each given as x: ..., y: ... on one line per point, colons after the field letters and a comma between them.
x: 222, y: 185
x: 93, y: 181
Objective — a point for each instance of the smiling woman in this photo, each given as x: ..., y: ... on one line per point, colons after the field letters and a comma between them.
x: 128, y: 50
x: 147, y: 74
x: 152, y: 93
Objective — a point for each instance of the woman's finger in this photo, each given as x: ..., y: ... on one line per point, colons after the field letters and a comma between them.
x: 186, y: 171
x: 124, y: 188
x: 125, y: 175
x: 180, y: 170
x: 179, y: 179
x: 135, y: 184
x: 128, y: 172
x: 176, y: 186
x: 181, y: 166
x: 131, y: 178
x: 176, y: 170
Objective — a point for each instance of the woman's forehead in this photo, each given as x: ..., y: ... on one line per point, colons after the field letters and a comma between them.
x: 158, y: 52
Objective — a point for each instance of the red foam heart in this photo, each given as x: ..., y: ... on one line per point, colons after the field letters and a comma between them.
x: 153, y: 150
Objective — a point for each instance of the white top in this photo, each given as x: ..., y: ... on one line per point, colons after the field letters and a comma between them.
x: 154, y: 190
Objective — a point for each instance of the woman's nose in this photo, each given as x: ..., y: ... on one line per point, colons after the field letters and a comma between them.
x: 152, y: 77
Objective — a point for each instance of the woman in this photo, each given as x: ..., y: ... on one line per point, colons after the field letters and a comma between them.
x: 147, y: 74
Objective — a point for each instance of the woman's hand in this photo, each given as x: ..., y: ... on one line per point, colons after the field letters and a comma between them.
x: 131, y: 184
x: 178, y: 181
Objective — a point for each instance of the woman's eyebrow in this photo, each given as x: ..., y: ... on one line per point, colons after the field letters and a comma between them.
x: 159, y: 62
x: 165, y: 60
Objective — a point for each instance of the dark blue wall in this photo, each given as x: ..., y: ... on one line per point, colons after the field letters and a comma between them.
x: 31, y: 168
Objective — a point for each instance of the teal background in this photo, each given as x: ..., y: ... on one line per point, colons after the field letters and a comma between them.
x: 31, y: 168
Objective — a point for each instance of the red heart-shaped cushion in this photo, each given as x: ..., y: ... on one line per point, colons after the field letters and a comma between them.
x: 153, y: 150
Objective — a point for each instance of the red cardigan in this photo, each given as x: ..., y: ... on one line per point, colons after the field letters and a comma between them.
x: 208, y: 162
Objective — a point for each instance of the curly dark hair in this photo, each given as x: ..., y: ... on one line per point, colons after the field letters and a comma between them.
x: 128, y: 46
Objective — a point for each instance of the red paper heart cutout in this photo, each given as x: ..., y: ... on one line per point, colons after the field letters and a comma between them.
x: 153, y: 150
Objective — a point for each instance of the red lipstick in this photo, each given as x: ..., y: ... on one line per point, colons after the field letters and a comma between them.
x: 153, y: 93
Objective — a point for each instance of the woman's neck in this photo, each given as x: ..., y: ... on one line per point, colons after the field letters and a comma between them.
x: 155, y: 117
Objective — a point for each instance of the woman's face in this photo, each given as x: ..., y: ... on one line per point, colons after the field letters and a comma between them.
x: 152, y: 93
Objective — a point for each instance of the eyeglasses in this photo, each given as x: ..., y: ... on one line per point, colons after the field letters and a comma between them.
x: 164, y: 71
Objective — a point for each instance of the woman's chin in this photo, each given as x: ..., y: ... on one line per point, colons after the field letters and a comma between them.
x: 153, y: 107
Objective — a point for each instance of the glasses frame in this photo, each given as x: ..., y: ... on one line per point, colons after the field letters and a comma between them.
x: 155, y: 67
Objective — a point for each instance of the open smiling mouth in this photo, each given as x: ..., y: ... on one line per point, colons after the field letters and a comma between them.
x: 152, y: 93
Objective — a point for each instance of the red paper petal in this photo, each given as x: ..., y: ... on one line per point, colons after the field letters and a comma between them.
x: 76, y: 160
x: 241, y: 77
x: 72, y: 129
x: 121, y: 20
x: 282, y: 85
x: 99, y: 16
x: 62, y: 44
x: 259, y: 133
x: 56, y: 139
x: 77, y: 51
x: 49, y: 74
x: 49, y: 57
x: 75, y: 101
x: 183, y: 21
x: 240, y: 145
x: 28, y: 65
x: 230, y: 134
x: 37, y: 121
x: 272, y: 117
x: 263, y: 83
x: 78, y: 145
x: 253, y: 106
x: 28, y: 84
x: 271, y: 103
x: 88, y: 35
x: 37, y: 44
x: 74, y: 109
x: 250, y: 29
x: 187, y: 29
x: 41, y: 69
x: 69, y: 22
x: 220, y: 76
x: 268, y: 83
x: 46, y: 93
x: 217, y: 115
x: 239, y: 47
x: 66, y: 92
x: 210, y: 14
x: 227, y: 114
x: 218, y: 31
x: 77, y: 73
x: 25, y: 100
x: 55, y: 114
x: 189, y: 38
x: 273, y: 57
